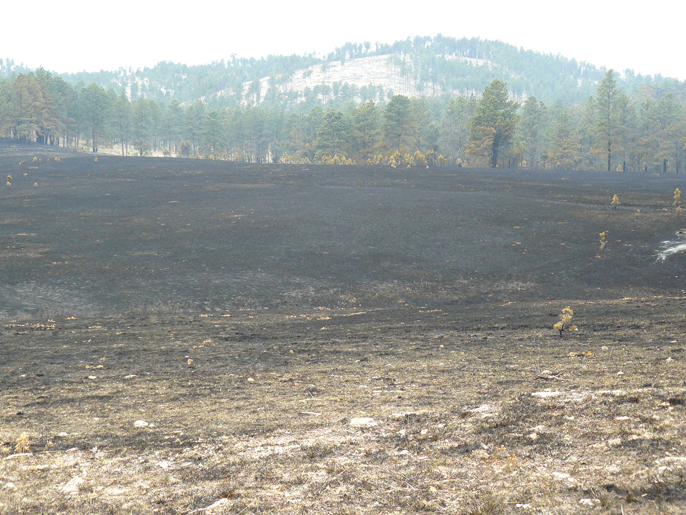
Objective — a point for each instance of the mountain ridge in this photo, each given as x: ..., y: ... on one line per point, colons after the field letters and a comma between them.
x: 422, y: 66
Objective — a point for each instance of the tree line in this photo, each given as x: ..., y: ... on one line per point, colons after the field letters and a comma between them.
x: 610, y: 130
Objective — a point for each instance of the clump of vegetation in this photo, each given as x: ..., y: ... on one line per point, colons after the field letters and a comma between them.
x: 22, y: 444
x: 677, y: 197
x: 565, y: 322
x: 603, y: 241
x: 615, y: 201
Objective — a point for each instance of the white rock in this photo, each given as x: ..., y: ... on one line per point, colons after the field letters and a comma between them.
x: 73, y: 485
x: 164, y: 465
x: 481, y: 409
x: 212, y: 507
x: 140, y: 423
x: 559, y: 476
x: 215, y: 505
x: 589, y: 502
x: 362, y: 422
x: 614, y: 442
x: 544, y: 395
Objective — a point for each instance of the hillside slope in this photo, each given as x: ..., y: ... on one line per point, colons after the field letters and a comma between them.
x: 422, y: 66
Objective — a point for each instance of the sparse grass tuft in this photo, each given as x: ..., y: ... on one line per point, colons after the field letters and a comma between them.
x: 565, y: 322
x: 485, y: 505
x: 22, y: 444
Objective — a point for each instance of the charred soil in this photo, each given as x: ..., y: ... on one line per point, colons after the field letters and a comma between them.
x: 186, y: 336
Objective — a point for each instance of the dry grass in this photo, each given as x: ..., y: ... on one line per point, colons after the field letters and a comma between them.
x: 474, y: 420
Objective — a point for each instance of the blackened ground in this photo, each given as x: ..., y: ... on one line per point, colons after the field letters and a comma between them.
x: 186, y: 336
x: 85, y: 237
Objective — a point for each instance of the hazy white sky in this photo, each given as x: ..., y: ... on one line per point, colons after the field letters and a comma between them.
x: 93, y: 35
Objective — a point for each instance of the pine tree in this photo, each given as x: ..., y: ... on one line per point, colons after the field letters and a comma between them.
x: 492, y: 128
x: 397, y: 127
x: 531, y: 128
x: 366, y: 130
x: 609, y: 102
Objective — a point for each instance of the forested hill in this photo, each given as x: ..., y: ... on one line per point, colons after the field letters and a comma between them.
x: 360, y: 72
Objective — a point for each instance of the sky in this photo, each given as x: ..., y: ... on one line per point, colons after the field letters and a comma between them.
x: 78, y: 35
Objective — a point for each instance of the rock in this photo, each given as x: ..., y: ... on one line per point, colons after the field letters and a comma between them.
x: 545, y: 395
x: 482, y: 409
x: 560, y: 476
x: 614, y: 442
x: 73, y: 486
x: 218, y: 504
x: 362, y: 422
x: 140, y: 423
x: 164, y: 465
x: 212, y: 507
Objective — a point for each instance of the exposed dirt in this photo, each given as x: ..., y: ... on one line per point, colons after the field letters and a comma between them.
x: 185, y: 336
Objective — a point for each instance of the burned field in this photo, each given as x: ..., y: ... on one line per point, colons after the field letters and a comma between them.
x: 183, y: 336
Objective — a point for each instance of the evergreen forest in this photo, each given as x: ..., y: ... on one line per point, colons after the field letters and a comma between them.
x: 472, y: 103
